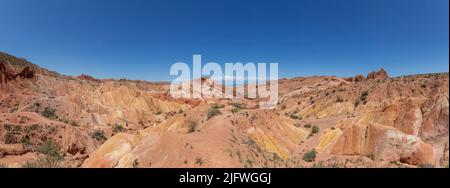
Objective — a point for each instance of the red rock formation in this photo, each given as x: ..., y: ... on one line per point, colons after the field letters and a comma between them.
x: 5, y: 74
x: 88, y: 77
x: 381, y: 74
x: 27, y: 73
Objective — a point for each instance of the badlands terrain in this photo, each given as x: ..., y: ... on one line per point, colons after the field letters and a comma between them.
x: 52, y: 120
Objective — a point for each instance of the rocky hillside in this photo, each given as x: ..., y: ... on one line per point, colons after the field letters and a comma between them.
x: 52, y: 120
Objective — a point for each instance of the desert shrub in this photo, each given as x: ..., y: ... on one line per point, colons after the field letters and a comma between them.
x: 364, y: 95
x: 98, y: 135
x: 218, y: 106
x: 248, y: 163
x: 315, y: 129
x: 293, y: 116
x: 192, y: 126
x: 49, y: 112
x: 238, y: 105
x: 339, y: 99
x: 73, y: 123
x: 213, y: 112
x: 310, y: 156
x: 50, y: 148
x: 46, y: 162
x: 11, y: 138
x: 235, y: 110
x: 117, y: 128
x: 308, y: 126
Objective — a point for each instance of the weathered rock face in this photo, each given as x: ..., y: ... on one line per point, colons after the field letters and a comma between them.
x: 381, y: 74
x: 5, y: 74
x: 357, y: 78
x: 27, y: 73
x: 88, y: 77
x: 382, y: 142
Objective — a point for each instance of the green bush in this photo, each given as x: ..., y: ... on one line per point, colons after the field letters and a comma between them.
x: 213, y: 112
x: 49, y: 112
x: 310, y: 156
x: 315, y: 129
x: 50, y: 148
x: 238, y: 105
x: 364, y: 95
x: 98, y: 135
x: 235, y: 110
x: 218, y: 106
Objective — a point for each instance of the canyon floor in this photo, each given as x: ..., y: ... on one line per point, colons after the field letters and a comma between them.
x: 51, y: 120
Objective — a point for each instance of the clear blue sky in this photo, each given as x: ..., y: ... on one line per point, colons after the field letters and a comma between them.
x: 139, y: 39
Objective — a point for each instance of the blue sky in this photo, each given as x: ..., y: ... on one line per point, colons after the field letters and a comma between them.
x: 139, y: 39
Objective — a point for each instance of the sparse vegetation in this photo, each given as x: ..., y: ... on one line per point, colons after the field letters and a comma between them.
x: 117, y: 128
x: 238, y: 105
x: 218, y: 106
x: 49, y: 112
x: 339, y: 99
x: 192, y: 126
x: 45, y: 162
x: 213, y: 112
x: 98, y: 135
x: 235, y: 110
x: 362, y: 98
x: 308, y: 126
x: 51, y: 149
x: 315, y: 129
x: 248, y: 163
x: 364, y: 95
x: 294, y: 116
x: 11, y: 138
x: 310, y: 156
